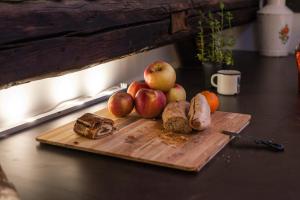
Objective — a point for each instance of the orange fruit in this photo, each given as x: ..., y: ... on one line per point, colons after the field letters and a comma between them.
x: 212, y: 100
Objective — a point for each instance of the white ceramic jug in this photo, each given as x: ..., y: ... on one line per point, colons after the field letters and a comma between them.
x: 274, y: 28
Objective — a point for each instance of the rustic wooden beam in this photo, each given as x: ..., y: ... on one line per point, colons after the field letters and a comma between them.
x: 47, y: 38
x: 7, y: 190
x: 33, y: 20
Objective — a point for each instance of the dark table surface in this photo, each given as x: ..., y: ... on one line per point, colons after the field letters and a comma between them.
x: 239, y: 171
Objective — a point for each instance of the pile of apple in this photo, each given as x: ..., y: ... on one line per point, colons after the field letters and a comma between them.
x: 149, y: 98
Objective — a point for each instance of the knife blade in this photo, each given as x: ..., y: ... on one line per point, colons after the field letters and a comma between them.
x: 268, y: 143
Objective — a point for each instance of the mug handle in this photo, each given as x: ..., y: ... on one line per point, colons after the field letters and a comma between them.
x: 212, y: 80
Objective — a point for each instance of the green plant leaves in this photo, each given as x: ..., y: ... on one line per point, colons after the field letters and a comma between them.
x: 222, y: 6
x: 216, y: 47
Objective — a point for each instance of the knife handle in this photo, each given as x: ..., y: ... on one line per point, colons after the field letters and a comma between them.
x: 273, y: 146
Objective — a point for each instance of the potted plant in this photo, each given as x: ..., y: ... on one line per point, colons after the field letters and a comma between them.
x: 214, y: 48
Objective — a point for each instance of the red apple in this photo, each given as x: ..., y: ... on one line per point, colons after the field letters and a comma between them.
x: 135, y: 86
x: 176, y: 93
x: 150, y: 103
x: 160, y: 76
x: 120, y: 104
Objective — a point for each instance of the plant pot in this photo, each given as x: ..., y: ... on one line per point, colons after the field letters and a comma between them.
x: 209, y: 69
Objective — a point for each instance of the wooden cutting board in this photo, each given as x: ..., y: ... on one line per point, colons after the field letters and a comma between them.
x: 144, y: 140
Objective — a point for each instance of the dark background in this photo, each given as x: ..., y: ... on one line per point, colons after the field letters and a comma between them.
x: 294, y: 5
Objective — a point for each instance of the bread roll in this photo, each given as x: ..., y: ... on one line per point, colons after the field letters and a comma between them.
x: 175, y: 117
x: 199, y: 113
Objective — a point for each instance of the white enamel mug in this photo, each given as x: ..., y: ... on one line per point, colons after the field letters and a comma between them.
x: 228, y: 82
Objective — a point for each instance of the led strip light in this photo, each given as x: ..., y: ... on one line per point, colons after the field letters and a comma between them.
x: 61, y: 109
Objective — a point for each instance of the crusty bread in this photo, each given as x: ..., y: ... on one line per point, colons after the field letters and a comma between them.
x: 93, y: 126
x: 175, y: 117
x: 199, y: 113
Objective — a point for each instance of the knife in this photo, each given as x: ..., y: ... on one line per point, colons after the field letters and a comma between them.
x: 268, y: 143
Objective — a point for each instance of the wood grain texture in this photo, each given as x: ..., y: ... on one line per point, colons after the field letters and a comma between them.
x: 47, y: 38
x: 140, y: 140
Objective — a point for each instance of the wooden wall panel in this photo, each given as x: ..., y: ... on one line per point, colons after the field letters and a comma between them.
x: 47, y: 38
